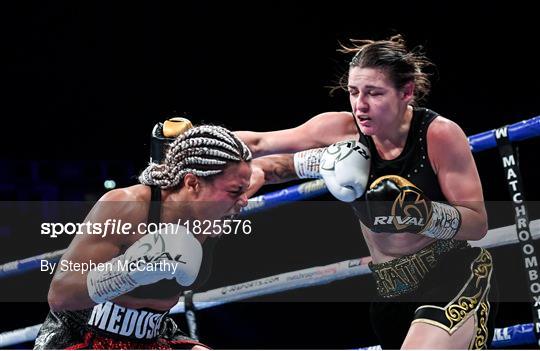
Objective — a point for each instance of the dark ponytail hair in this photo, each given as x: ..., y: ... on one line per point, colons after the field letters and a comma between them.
x: 392, y: 56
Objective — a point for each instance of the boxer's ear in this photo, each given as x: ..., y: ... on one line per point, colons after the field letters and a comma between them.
x: 407, y: 92
x: 192, y: 183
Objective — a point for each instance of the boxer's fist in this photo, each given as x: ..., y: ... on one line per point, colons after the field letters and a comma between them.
x: 395, y: 205
x: 345, y: 169
x: 170, y: 253
x: 172, y: 249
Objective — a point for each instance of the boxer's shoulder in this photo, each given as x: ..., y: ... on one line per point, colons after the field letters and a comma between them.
x: 130, y: 204
x: 331, y: 127
x: 136, y: 192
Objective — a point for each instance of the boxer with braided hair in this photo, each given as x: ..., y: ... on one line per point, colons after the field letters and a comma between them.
x: 204, y: 176
x: 202, y: 151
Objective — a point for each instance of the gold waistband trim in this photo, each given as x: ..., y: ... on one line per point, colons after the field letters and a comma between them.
x: 404, y: 274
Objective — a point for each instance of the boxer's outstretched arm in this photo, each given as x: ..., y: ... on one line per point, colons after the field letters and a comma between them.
x: 277, y: 168
x: 321, y: 130
x: 273, y: 169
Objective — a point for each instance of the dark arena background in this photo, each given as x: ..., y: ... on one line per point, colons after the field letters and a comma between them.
x: 85, y: 82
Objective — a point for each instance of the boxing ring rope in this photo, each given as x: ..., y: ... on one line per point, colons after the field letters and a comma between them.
x: 515, y: 335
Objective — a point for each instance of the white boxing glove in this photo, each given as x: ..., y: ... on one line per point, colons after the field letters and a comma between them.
x: 179, y: 252
x: 345, y: 169
x: 306, y: 163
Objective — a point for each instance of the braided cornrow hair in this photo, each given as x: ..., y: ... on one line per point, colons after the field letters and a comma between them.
x: 203, y: 151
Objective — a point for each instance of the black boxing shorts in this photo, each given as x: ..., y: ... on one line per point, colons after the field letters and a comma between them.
x: 113, y: 327
x: 443, y: 284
